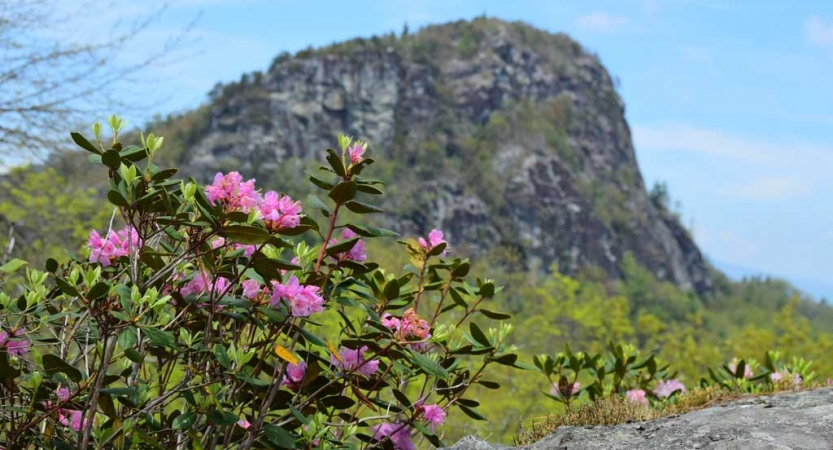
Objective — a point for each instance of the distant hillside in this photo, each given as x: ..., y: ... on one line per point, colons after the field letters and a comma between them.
x: 499, y: 133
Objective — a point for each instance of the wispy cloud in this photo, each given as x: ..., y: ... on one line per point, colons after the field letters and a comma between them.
x: 601, y: 22
x: 819, y: 31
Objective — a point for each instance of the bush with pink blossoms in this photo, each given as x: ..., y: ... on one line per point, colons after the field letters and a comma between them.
x: 196, y: 325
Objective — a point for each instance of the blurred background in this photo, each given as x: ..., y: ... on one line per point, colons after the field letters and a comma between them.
x: 649, y: 171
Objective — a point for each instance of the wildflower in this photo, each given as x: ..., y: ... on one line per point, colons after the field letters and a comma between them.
x: 63, y: 395
x: 435, y: 238
x: 244, y: 423
x: 434, y: 415
x: 637, y: 396
x: 665, y: 388
x: 294, y: 375
x: 232, y: 193
x: 390, y: 321
x: 409, y: 328
x: 354, y: 360
x: 113, y: 246
x: 558, y: 392
x: 776, y: 377
x: 358, y: 253
x: 280, y: 212
x: 17, y: 347
x: 201, y: 284
x: 248, y: 250
x: 71, y: 418
x: 303, y: 300
x: 356, y: 153
x: 747, y: 370
x: 251, y: 289
x: 398, y: 433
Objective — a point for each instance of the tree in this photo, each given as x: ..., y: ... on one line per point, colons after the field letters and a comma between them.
x: 48, y: 79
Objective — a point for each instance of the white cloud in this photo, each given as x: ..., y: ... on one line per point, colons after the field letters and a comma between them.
x: 768, y: 188
x: 601, y: 22
x: 819, y: 31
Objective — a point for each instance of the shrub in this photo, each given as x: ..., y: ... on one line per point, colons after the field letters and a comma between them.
x: 197, y: 324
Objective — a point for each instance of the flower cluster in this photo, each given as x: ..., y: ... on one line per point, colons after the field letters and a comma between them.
x: 359, y: 251
x: 398, y: 433
x: 778, y: 377
x: 17, y: 347
x: 232, y: 193
x: 248, y: 250
x: 356, y: 152
x: 303, y: 300
x: 665, y: 388
x: 747, y: 370
x: 69, y: 417
x: 202, y: 284
x: 349, y: 359
x: 410, y: 329
x: 637, y: 396
x: 294, y: 375
x: 112, y: 246
x: 435, y: 238
x: 279, y: 212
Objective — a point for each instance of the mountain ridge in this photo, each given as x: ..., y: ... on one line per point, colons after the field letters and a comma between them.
x: 498, y: 133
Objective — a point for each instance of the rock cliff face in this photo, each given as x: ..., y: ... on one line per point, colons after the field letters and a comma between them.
x: 802, y: 421
x: 496, y: 132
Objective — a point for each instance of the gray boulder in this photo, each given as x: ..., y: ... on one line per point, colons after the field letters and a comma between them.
x: 788, y: 421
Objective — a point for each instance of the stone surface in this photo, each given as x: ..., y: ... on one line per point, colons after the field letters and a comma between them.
x: 433, y: 91
x: 787, y: 421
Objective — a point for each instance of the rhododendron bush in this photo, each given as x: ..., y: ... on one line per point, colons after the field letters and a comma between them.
x: 197, y: 324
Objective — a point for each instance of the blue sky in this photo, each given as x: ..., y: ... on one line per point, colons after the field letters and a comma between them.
x: 730, y: 102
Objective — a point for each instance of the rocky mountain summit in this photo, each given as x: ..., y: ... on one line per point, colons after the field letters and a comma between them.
x: 496, y: 132
x: 795, y: 421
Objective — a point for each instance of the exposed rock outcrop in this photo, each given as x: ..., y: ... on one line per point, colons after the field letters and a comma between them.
x: 500, y: 134
x: 795, y: 421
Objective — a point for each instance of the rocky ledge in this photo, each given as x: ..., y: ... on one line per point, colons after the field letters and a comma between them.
x: 785, y: 421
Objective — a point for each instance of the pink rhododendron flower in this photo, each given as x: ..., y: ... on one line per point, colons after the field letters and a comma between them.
x: 356, y: 153
x: 637, y: 396
x: 359, y: 251
x: 244, y: 423
x: 294, y: 375
x: 280, y: 212
x: 435, y: 238
x: 354, y: 360
x: 17, y: 347
x: 232, y: 193
x: 434, y: 415
x: 557, y: 392
x: 747, y: 370
x: 201, y: 284
x: 303, y: 300
x: 251, y: 289
x: 398, y: 433
x: 248, y: 250
x: 409, y: 328
x: 71, y: 418
x: 63, y: 395
x: 113, y: 246
x: 664, y: 388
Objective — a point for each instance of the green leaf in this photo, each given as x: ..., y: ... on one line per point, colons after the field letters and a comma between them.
x: 506, y: 360
x: 115, y: 197
x: 488, y: 384
x: 370, y: 231
x: 222, y: 356
x: 51, y: 265
x: 13, y: 265
x: 133, y: 355
x: 98, y: 290
x: 471, y: 413
x: 494, y: 315
x: 368, y: 189
x: 402, y: 398
x: 66, y: 288
x: 312, y: 338
x: 278, y: 436
x: 53, y: 364
x: 338, y: 401
x: 82, y: 142
x: 392, y: 289
x: 111, y: 159
x: 342, y: 247
x: 429, y: 366
x: 184, y: 421
x: 478, y: 335
x: 319, y: 182
x: 222, y: 418
x: 362, y: 208
x: 487, y: 290
x: 335, y: 162
x: 343, y: 192
x: 160, y: 338
x: 247, y: 234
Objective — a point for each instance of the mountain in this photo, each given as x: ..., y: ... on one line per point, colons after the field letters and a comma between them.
x: 496, y: 132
